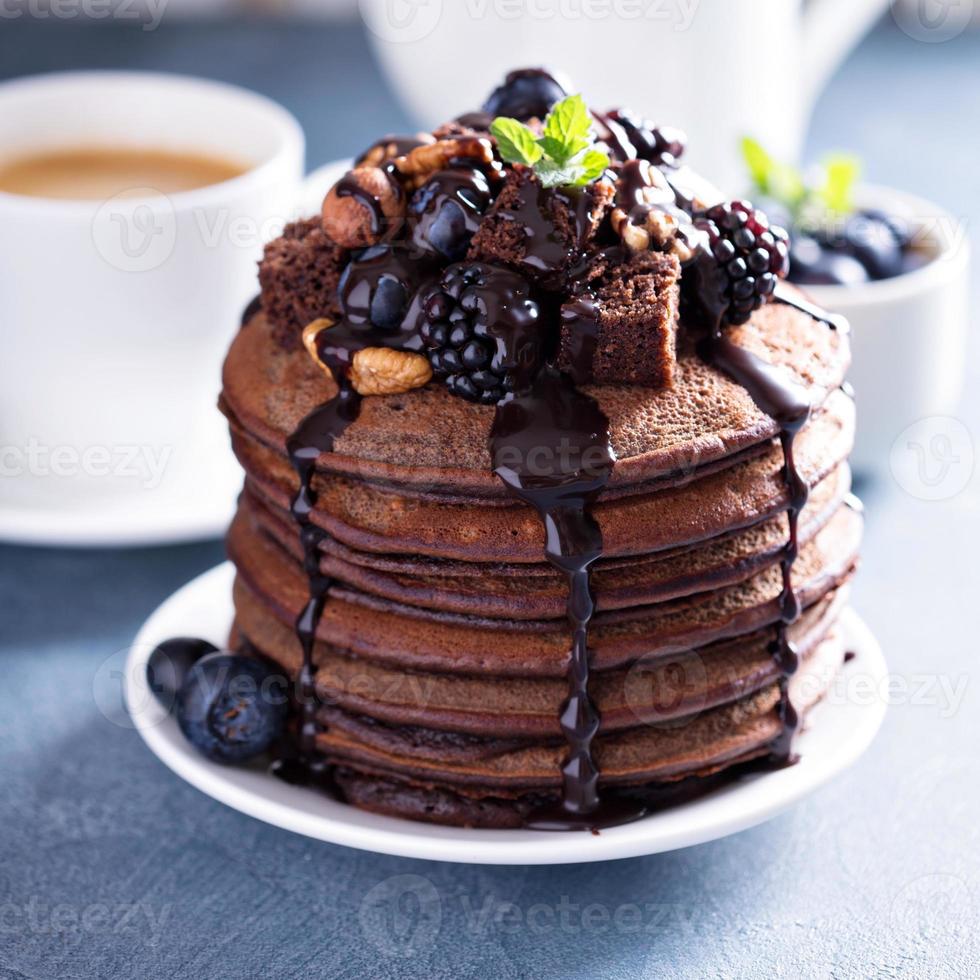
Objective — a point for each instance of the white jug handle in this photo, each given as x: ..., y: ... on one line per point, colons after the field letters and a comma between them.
x: 830, y: 29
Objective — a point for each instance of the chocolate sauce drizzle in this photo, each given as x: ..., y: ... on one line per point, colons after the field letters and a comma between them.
x: 789, y: 405
x: 316, y: 434
x: 394, y: 143
x: 833, y: 320
x: 550, y: 446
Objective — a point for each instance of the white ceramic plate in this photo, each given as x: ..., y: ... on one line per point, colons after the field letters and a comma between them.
x: 839, y: 731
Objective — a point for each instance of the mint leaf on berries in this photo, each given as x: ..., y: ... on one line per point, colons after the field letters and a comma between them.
x: 517, y: 144
x: 567, y: 130
x: 564, y: 154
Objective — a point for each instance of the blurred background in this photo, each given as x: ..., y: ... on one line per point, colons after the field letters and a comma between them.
x: 878, y: 874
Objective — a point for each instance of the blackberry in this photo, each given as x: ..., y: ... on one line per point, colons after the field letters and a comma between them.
x: 744, y: 259
x: 661, y: 145
x: 480, y: 327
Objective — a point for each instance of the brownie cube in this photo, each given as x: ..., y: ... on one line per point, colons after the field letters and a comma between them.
x: 633, y: 337
x: 299, y: 273
x: 540, y: 232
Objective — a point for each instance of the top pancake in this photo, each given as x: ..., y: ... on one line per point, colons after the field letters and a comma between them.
x: 431, y: 440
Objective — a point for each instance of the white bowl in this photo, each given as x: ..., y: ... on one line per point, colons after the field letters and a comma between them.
x: 908, y: 334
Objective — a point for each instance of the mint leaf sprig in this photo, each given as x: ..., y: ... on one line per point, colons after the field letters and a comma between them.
x: 565, y: 153
x: 831, y: 189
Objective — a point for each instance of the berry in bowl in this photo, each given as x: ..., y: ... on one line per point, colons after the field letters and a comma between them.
x: 896, y: 266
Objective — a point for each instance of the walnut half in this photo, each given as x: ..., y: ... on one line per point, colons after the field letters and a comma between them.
x: 418, y: 165
x: 383, y: 371
x: 310, y: 333
x: 374, y: 370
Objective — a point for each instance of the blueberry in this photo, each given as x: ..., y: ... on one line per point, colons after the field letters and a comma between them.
x: 812, y: 264
x: 446, y: 211
x: 231, y: 707
x: 169, y: 663
x: 525, y: 93
x: 874, y: 242
x: 376, y: 286
x: 388, y: 303
x: 448, y: 233
x: 899, y: 226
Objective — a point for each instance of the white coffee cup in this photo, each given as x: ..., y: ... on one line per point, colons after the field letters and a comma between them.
x: 115, y: 315
x: 719, y: 69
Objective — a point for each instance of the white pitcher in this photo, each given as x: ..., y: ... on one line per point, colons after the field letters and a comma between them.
x: 718, y: 69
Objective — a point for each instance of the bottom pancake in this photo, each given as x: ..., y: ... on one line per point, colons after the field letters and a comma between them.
x: 466, y: 780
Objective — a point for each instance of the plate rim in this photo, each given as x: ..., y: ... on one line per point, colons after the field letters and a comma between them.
x: 745, y: 803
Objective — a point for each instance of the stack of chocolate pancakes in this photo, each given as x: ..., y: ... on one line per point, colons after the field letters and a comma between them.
x: 442, y: 650
x: 478, y: 647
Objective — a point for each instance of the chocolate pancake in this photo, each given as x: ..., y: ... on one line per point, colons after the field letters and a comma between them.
x: 435, y: 442
x: 375, y: 628
x: 660, y: 767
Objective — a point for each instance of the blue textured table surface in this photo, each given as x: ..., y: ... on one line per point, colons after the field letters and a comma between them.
x: 112, y: 867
